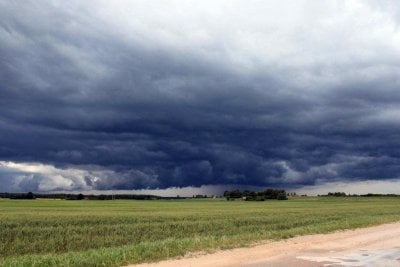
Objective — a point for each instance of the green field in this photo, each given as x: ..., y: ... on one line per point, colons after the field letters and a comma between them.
x: 112, y: 233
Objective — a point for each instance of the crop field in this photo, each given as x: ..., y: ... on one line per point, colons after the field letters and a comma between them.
x: 113, y: 233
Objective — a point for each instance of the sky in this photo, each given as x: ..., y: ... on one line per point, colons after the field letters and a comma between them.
x: 198, y: 96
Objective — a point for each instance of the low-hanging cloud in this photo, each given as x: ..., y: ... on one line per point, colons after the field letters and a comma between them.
x: 158, y: 94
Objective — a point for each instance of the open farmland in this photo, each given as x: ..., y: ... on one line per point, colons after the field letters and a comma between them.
x: 112, y: 233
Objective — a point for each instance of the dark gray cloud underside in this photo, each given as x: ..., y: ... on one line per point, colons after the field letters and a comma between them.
x: 75, y: 93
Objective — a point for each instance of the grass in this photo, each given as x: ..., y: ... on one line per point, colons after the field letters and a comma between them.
x: 113, y: 233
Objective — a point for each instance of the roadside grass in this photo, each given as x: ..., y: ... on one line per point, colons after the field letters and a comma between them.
x: 113, y: 233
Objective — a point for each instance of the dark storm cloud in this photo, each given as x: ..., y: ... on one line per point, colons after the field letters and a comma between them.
x: 142, y: 96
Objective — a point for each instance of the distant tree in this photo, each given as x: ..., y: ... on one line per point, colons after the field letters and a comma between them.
x: 236, y: 194
x: 281, y: 196
x: 247, y: 195
x: 30, y: 195
x: 337, y: 194
x: 80, y: 197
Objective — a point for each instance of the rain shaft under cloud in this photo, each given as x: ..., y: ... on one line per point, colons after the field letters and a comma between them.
x: 101, y: 95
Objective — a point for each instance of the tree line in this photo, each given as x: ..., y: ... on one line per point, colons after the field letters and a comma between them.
x: 248, y: 195
x: 343, y: 194
x: 31, y: 195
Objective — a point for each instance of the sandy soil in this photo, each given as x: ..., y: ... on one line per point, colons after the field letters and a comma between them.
x: 373, y: 246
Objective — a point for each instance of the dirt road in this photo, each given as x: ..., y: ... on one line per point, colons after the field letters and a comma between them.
x: 373, y: 246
